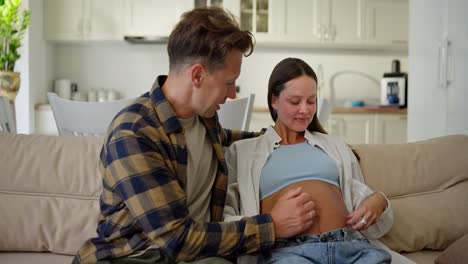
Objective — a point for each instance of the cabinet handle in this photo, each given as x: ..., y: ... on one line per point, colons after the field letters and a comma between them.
x: 332, y: 32
x: 399, y: 41
x: 80, y: 27
x: 321, y: 30
x: 443, y: 63
x: 89, y: 27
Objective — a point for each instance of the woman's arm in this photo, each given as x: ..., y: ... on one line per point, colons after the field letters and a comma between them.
x: 371, y: 206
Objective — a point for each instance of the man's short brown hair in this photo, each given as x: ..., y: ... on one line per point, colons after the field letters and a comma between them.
x: 205, y: 35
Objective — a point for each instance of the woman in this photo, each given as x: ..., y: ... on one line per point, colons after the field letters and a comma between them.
x: 298, y: 152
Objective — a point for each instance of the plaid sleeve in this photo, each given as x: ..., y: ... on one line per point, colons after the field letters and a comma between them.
x: 140, y: 172
x: 231, y: 136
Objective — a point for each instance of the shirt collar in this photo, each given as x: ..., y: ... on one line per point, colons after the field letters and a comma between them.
x: 274, y: 139
x: 162, y: 107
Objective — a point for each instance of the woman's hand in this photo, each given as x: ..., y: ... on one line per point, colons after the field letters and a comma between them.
x: 368, y: 212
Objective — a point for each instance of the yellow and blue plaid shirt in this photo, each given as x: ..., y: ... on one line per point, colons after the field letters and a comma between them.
x: 143, y: 201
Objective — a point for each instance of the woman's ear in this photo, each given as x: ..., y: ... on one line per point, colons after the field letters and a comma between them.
x: 197, y: 74
x: 274, y: 102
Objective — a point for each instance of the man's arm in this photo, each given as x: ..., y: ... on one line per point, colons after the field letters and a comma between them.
x: 231, y: 136
x: 141, y: 176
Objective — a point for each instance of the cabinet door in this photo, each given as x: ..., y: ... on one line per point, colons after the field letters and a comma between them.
x: 103, y: 20
x: 154, y: 17
x: 345, y: 25
x: 353, y: 128
x: 257, y: 17
x: 63, y: 19
x: 456, y: 67
x: 387, y: 22
x: 232, y: 6
x: 390, y: 128
x: 303, y: 21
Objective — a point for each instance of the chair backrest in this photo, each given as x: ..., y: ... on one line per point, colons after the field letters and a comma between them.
x: 7, y: 123
x: 324, y: 110
x: 84, y: 118
x: 236, y: 114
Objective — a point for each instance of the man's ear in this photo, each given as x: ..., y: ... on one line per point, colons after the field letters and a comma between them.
x: 197, y: 74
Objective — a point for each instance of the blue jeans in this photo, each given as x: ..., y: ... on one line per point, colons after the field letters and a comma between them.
x: 341, y: 246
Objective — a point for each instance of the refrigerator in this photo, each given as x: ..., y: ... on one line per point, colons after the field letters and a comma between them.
x: 438, y: 68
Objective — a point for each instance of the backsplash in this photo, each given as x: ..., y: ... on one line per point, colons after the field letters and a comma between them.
x: 131, y: 69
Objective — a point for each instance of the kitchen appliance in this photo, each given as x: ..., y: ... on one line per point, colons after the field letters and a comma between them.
x: 394, y: 87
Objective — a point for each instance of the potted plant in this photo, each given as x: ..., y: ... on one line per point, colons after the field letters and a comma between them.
x: 13, y: 25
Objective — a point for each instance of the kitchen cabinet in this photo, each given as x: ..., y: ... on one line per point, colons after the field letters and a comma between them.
x: 153, y: 17
x: 44, y: 120
x: 438, y: 63
x: 387, y: 22
x: 83, y: 19
x: 369, y: 128
x: 257, y: 16
x: 322, y: 21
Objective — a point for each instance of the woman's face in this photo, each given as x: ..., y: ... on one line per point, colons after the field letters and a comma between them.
x: 296, y: 104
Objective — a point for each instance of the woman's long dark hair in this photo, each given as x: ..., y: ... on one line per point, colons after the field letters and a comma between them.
x: 284, y: 71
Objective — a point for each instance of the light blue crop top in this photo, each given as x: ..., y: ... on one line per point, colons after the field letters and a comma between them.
x: 298, y: 162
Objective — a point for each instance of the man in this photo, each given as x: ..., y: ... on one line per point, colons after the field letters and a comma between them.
x: 164, y: 174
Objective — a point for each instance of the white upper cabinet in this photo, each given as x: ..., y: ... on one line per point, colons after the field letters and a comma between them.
x: 63, y: 19
x: 104, y: 21
x: 345, y: 22
x: 321, y: 21
x: 153, y: 17
x: 256, y: 16
x: 387, y: 22
x: 83, y: 19
x: 302, y: 21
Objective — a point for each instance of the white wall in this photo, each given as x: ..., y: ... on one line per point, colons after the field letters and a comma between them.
x: 131, y: 69
x: 23, y: 103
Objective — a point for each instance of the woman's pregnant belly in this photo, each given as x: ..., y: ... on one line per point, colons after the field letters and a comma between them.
x: 330, y: 209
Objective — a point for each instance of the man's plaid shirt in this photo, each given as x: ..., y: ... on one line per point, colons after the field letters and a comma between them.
x: 143, y: 202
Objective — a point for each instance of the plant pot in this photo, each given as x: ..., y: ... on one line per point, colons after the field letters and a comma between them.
x: 9, y: 84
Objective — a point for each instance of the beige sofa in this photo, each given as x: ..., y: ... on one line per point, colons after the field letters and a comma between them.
x: 50, y: 186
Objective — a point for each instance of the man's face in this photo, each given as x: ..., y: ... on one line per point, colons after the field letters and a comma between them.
x: 218, y: 85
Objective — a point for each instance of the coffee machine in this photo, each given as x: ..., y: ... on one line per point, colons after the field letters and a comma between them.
x: 394, y: 87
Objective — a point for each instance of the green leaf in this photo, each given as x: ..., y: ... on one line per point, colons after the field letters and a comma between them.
x: 13, y: 25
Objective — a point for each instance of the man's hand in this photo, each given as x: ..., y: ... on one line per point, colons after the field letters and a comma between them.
x: 293, y: 213
x: 368, y: 212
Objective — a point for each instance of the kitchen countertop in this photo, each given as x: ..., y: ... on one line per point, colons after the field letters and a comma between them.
x: 369, y: 109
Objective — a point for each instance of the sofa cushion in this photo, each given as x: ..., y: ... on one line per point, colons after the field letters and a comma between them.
x: 426, y: 183
x: 32, y: 257
x: 457, y: 253
x: 423, y: 256
x: 49, y: 192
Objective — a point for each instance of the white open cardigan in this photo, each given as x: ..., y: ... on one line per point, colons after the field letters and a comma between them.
x: 246, y: 158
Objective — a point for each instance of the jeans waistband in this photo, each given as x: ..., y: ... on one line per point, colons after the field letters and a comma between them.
x: 337, y: 235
